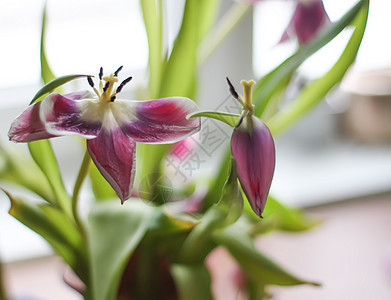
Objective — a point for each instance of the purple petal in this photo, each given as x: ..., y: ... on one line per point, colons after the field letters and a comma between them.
x: 71, y: 115
x: 114, y: 155
x: 308, y: 18
x: 254, y: 153
x: 28, y: 126
x: 160, y: 121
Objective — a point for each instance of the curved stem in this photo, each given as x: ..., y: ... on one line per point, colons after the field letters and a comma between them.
x: 79, y: 181
x: 233, y: 16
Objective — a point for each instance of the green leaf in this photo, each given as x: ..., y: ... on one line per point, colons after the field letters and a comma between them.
x: 228, y: 118
x: 183, y: 56
x: 222, y: 214
x: 152, y: 13
x: 192, y: 281
x: 100, y: 187
x: 55, y: 227
x: 271, y: 83
x: 257, y: 266
x: 43, y: 155
x: 315, y: 92
x: 114, y: 231
x: 279, y: 217
x: 17, y: 169
x: 46, y: 72
x: 55, y: 84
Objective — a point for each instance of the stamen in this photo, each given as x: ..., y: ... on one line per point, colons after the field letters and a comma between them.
x: 106, y: 86
x: 232, y: 90
x: 90, y: 82
x: 234, y: 93
x: 123, y: 83
x: 118, y: 70
x: 112, y: 98
x: 100, y: 73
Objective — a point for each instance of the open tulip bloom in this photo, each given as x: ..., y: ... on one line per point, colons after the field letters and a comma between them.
x: 111, y: 126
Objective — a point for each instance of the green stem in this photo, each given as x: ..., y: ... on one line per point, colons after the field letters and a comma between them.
x: 229, y: 21
x: 79, y: 181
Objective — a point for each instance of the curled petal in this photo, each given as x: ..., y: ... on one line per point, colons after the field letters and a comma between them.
x: 157, y: 121
x: 254, y: 153
x: 114, y: 155
x: 28, y: 126
x: 70, y: 114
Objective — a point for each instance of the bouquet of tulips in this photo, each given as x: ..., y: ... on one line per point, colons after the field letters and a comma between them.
x: 129, y: 241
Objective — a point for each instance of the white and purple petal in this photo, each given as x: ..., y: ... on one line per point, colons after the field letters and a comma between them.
x: 28, y: 126
x: 63, y: 115
x: 114, y: 155
x: 158, y: 121
x: 254, y: 153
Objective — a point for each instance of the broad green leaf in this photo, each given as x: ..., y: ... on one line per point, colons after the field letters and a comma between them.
x: 46, y: 72
x: 17, y: 169
x: 55, y: 227
x: 315, y: 92
x: 153, y: 13
x: 222, y: 214
x: 43, y: 155
x: 228, y: 118
x: 257, y: 266
x: 175, y: 81
x: 277, y: 216
x: 55, y: 84
x: 192, y: 281
x: 100, y: 187
x: 270, y: 84
x: 2, y: 283
x: 114, y: 231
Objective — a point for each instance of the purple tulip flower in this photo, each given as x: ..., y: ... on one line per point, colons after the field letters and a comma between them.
x: 252, y: 146
x: 309, y: 17
x: 111, y: 126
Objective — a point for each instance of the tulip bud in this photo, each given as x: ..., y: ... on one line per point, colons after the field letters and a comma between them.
x: 254, y: 152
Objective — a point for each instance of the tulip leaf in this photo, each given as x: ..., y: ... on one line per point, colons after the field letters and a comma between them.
x: 192, y: 281
x: 270, y: 83
x: 46, y: 72
x: 222, y: 214
x: 277, y: 216
x: 316, y: 91
x: 15, y: 168
x: 257, y: 266
x: 114, y: 231
x: 100, y: 187
x: 47, y: 88
x: 54, y: 226
x: 228, y: 118
x: 43, y: 155
x: 153, y: 13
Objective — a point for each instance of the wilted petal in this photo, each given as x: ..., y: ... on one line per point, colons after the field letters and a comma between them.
x: 309, y: 17
x: 114, y: 155
x: 157, y: 121
x: 254, y: 153
x: 69, y: 115
x: 28, y: 126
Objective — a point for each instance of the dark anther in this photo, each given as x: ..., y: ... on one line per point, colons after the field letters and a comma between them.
x: 100, y: 73
x: 112, y: 98
x: 118, y: 70
x: 106, y: 86
x: 232, y: 89
x: 90, y: 82
x: 119, y: 88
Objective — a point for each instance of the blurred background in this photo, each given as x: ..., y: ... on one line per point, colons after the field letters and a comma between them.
x: 335, y: 162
